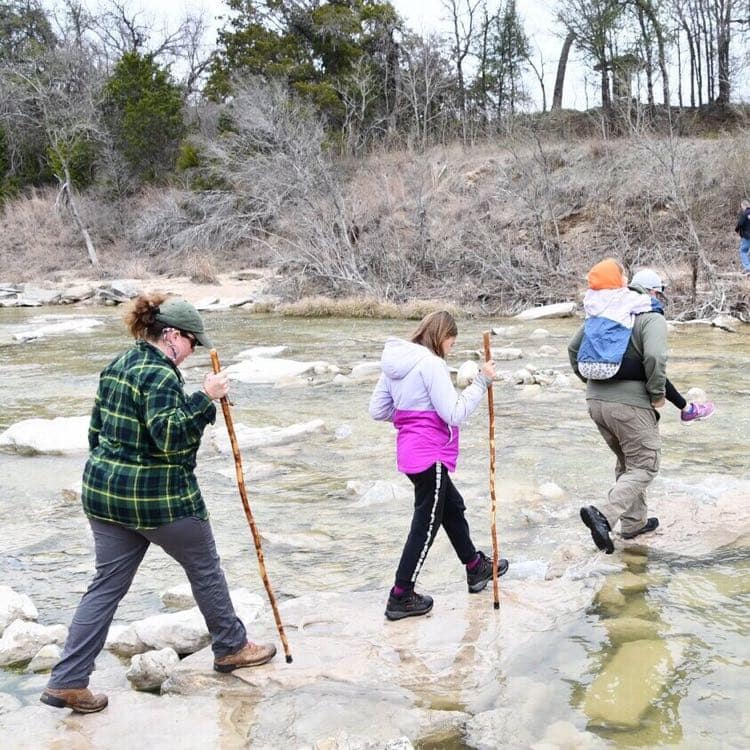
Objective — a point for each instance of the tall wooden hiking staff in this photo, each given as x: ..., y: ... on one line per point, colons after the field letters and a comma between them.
x: 248, y: 512
x: 493, y: 528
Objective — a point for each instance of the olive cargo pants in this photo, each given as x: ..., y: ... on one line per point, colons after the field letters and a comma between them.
x: 632, y: 434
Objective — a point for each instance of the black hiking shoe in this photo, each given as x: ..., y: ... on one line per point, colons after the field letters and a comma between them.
x: 599, y: 527
x: 482, y: 572
x: 651, y: 525
x: 408, y: 605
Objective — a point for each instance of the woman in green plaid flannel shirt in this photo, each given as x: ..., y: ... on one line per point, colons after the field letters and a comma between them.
x: 139, y: 487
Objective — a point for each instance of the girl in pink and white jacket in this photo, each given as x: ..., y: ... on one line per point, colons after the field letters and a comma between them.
x: 415, y: 392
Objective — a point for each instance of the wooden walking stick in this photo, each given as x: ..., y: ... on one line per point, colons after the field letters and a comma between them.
x: 493, y: 528
x: 248, y: 513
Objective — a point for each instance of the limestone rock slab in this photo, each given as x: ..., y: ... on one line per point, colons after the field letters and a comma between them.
x: 15, y: 606
x: 61, y: 436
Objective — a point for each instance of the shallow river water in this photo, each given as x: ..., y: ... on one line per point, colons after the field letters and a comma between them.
x: 542, y: 435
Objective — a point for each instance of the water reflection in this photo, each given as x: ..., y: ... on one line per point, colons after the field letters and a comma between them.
x: 659, y: 651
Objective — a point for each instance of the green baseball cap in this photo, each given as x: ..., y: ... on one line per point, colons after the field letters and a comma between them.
x: 180, y: 314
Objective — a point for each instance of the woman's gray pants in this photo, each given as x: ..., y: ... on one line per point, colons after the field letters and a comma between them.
x: 119, y: 551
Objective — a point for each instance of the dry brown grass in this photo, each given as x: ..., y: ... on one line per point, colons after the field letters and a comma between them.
x: 200, y: 269
x: 356, y: 307
x: 36, y: 240
x: 498, y: 227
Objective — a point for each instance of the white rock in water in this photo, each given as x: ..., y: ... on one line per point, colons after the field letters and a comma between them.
x: 726, y: 323
x: 73, y: 493
x: 524, y: 377
x: 226, y: 304
x: 550, y: 491
x: 22, y: 640
x: 466, y: 373
x: 261, y: 352
x: 183, y: 631
x: 324, y: 368
x: 539, y: 333
x: 343, y: 432
x: 33, y: 295
x: 559, y: 310
x: 268, y: 370
x: 544, y: 377
x: 562, y: 735
x: 80, y: 325
x: 377, y: 492
x: 15, y: 606
x: 148, y: 671
x: 124, y: 641
x: 506, y: 331
x: 257, y: 437
x: 506, y: 354
x: 206, y: 303
x: 60, y: 436
x: 45, y: 659
x: 178, y: 597
x: 365, y: 371
x: 546, y: 351
x: 293, y: 381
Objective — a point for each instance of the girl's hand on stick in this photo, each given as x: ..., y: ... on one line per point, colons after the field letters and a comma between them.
x: 488, y: 369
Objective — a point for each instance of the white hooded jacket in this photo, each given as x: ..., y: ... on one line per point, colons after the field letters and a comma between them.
x: 416, y: 393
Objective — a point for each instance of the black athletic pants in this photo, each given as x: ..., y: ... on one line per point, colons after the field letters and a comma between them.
x: 437, y: 503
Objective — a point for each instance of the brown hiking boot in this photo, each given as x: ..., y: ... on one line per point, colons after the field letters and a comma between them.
x: 80, y: 700
x: 250, y: 655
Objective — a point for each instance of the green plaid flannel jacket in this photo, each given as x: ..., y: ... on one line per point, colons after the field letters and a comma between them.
x: 143, y: 436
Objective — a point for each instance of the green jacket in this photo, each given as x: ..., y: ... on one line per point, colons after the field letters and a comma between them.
x: 143, y: 436
x: 648, y: 343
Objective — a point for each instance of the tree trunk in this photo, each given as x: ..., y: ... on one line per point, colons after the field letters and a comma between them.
x: 66, y: 193
x: 723, y: 69
x: 679, y: 72
x: 649, y: 55
x: 606, y: 100
x: 723, y: 34
x: 561, y: 66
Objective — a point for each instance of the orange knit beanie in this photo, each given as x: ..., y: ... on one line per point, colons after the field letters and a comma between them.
x: 607, y: 274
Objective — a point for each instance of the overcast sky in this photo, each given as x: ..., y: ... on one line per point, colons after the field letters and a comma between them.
x: 542, y: 30
x: 430, y: 16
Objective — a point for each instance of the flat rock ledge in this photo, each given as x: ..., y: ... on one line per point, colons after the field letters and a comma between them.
x: 238, y: 289
x: 359, y: 681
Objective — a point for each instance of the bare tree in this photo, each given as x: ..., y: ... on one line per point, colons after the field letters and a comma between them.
x: 426, y: 82
x: 120, y: 29
x: 723, y: 11
x: 463, y: 18
x: 652, y: 28
x: 594, y: 24
x: 368, y: 114
x: 538, y: 68
x: 688, y: 23
x: 59, y: 95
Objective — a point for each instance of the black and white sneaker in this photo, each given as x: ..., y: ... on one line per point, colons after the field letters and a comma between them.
x: 482, y: 572
x: 408, y: 605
